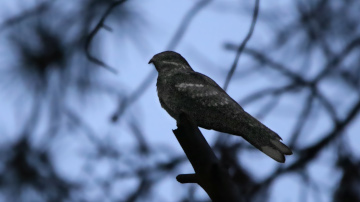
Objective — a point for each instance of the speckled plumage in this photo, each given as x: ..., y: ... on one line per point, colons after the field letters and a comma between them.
x: 182, y: 90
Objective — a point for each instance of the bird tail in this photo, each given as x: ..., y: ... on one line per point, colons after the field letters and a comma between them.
x: 264, y: 139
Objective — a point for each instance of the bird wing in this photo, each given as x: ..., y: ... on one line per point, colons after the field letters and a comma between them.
x: 205, y: 101
x: 201, y: 94
x: 212, y: 108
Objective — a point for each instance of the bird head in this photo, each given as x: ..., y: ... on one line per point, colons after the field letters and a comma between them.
x: 170, y: 61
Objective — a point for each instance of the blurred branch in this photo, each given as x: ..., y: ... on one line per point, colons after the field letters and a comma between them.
x: 303, y: 118
x: 131, y: 99
x: 189, y: 16
x: 309, y: 153
x: 127, y: 101
x: 309, y: 21
x: 34, y: 117
x: 267, y: 108
x: 43, y: 6
x: 140, y: 137
x: 327, y: 105
x: 78, y: 121
x: 92, y: 34
x: 262, y: 58
x: 29, y: 167
x: 209, y: 172
x: 336, y: 60
x: 273, y: 91
x: 144, y: 186
x: 242, y: 46
x: 103, y: 147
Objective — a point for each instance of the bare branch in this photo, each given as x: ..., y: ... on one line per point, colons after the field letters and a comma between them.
x: 40, y: 8
x: 303, y: 118
x: 95, y: 31
x: 309, y: 153
x: 268, y: 91
x: 336, y: 60
x: 327, y: 105
x: 185, y: 23
x: 262, y: 58
x: 242, y: 46
x: 267, y: 108
x: 187, y: 178
x: 128, y: 101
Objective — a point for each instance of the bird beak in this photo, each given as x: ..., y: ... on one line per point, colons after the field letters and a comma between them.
x: 151, y: 61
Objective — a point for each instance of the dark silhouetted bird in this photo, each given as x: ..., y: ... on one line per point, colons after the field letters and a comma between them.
x: 182, y: 90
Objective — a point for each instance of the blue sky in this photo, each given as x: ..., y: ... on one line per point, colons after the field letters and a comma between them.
x: 203, y: 46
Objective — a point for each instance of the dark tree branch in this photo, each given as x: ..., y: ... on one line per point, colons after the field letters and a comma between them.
x: 97, y: 28
x: 337, y: 59
x: 267, y: 108
x: 242, y: 46
x: 40, y: 8
x: 140, y: 137
x: 262, y: 58
x: 273, y: 91
x: 275, y: 65
x: 309, y: 153
x: 75, y: 119
x: 303, y: 118
x: 327, y: 105
x: 187, y: 178
x: 127, y: 101
x: 209, y: 172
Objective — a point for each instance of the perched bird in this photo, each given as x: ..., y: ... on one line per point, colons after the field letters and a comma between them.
x: 182, y: 90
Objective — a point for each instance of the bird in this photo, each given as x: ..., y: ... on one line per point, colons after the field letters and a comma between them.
x: 182, y: 90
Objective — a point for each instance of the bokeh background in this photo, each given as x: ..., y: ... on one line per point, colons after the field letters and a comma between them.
x: 73, y: 130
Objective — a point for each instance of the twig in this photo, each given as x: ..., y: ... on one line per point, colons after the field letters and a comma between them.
x: 303, y: 118
x: 309, y: 153
x: 275, y: 65
x: 185, y: 23
x: 77, y: 120
x: 336, y: 60
x: 242, y: 46
x: 262, y: 58
x: 327, y: 105
x: 95, y: 31
x: 267, y: 108
x: 127, y: 101
x: 268, y: 91
x: 39, y: 9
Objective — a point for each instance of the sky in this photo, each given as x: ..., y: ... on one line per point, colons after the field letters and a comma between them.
x: 203, y: 47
